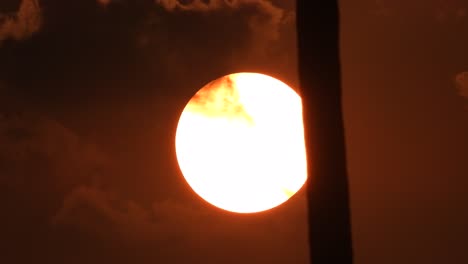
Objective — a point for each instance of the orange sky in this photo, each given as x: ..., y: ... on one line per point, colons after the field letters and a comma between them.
x: 90, y: 95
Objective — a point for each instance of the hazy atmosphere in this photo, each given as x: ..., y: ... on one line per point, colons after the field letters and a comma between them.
x: 90, y: 96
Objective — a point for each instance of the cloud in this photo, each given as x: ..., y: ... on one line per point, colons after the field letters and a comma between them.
x: 41, y: 161
x: 39, y: 154
x: 103, y: 53
x: 103, y: 214
x: 461, y: 81
x: 189, y: 233
x: 98, y: 213
x: 23, y: 24
x: 264, y: 21
x: 227, y: 36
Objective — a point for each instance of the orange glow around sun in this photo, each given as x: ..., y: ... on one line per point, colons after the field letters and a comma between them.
x: 240, y: 143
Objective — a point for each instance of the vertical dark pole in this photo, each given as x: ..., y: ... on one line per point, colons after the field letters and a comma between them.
x: 320, y: 78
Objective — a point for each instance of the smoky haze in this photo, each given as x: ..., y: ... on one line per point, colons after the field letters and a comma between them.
x: 90, y: 95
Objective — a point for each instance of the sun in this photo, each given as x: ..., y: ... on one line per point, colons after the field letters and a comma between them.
x: 240, y: 143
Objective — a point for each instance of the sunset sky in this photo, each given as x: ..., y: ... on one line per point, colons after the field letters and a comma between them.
x: 91, y: 92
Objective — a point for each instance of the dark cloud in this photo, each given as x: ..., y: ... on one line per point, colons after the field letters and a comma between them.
x: 89, y: 53
x: 95, y: 212
x: 22, y: 24
x: 189, y: 233
x: 40, y: 162
x: 98, y: 213
x: 53, y: 153
x: 264, y: 21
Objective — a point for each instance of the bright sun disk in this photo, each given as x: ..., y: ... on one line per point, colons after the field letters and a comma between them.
x: 240, y: 143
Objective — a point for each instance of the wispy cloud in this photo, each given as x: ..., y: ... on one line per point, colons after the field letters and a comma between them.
x: 461, y: 81
x: 266, y: 21
x: 22, y: 24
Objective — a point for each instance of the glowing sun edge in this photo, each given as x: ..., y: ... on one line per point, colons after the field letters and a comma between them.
x: 276, y: 112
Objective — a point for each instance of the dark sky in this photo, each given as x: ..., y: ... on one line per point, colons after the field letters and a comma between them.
x: 90, y: 95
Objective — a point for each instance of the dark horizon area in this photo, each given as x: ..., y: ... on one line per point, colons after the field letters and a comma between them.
x: 91, y: 92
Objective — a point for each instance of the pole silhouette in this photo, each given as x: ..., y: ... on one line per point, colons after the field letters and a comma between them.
x: 320, y: 79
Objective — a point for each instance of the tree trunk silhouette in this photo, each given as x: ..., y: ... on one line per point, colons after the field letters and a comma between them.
x: 320, y: 78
